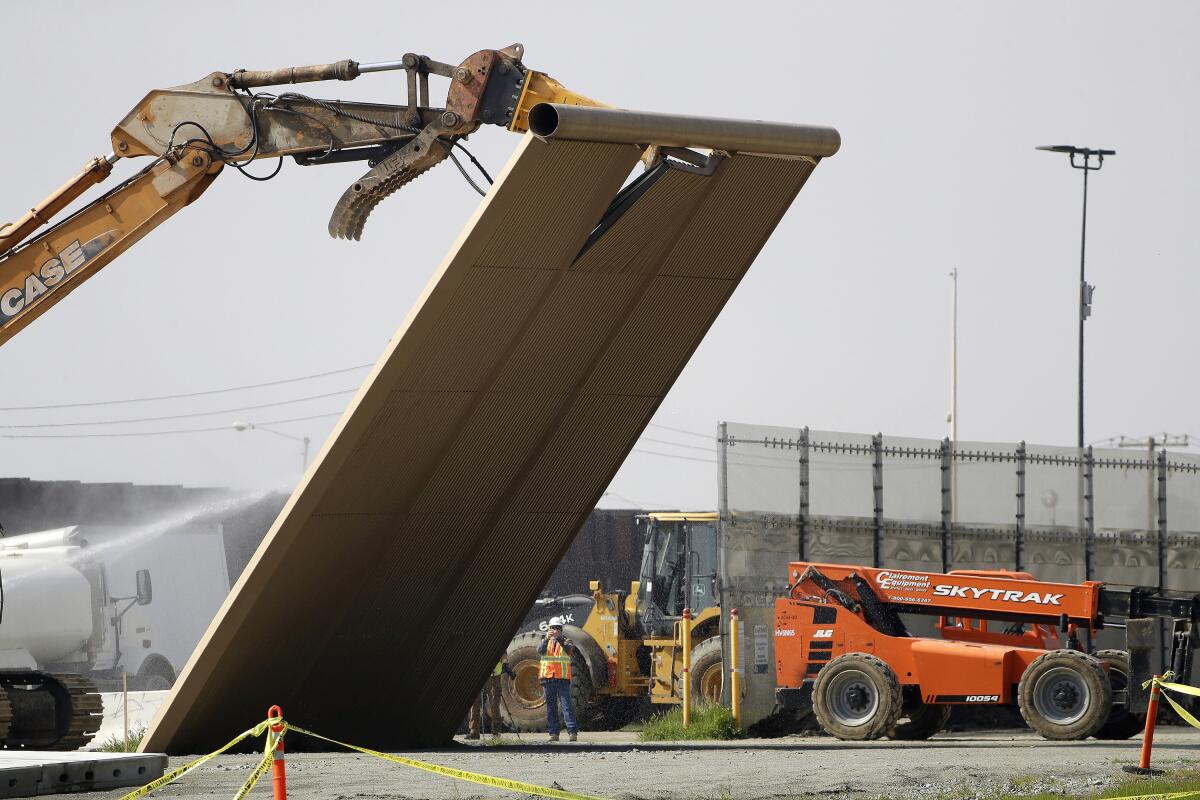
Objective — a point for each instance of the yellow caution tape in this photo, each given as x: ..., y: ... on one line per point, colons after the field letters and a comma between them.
x: 268, y: 755
x: 458, y: 774
x: 1165, y: 684
x: 254, y: 776
x: 179, y: 772
x: 272, y: 739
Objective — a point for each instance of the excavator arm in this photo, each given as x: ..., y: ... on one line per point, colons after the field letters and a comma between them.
x: 193, y: 132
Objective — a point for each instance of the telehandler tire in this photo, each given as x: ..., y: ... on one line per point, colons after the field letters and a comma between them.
x: 1122, y: 723
x: 857, y: 697
x: 1065, y: 695
x: 522, y: 706
x: 921, y: 722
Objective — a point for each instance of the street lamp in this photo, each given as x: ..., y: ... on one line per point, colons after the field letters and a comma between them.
x: 304, y: 440
x: 1085, y: 291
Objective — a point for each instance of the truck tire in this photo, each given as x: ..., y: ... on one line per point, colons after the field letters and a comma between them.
x: 522, y: 706
x: 857, y: 697
x: 154, y: 675
x: 1122, y: 723
x: 707, y: 672
x: 1065, y: 695
x: 921, y: 722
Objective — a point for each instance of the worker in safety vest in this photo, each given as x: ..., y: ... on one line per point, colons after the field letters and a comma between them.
x: 490, y: 695
x: 554, y: 672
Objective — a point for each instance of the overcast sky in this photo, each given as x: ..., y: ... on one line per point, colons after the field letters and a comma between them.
x: 843, y: 322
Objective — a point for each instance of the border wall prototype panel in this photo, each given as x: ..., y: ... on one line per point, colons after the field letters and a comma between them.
x: 475, y: 450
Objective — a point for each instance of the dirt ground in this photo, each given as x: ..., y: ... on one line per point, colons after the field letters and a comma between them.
x: 615, y: 766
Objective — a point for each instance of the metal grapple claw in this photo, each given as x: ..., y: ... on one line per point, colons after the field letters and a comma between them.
x: 423, y: 152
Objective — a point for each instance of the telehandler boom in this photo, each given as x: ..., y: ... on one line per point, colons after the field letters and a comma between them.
x: 193, y: 132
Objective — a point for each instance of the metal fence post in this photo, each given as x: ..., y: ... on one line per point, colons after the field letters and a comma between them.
x: 722, y: 520
x: 877, y: 481
x: 723, y: 470
x: 803, y: 522
x: 947, y: 507
x: 1164, y: 640
x: 1089, y: 514
x: 1162, y: 520
x: 1019, y: 543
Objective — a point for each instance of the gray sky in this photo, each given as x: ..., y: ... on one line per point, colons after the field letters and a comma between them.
x: 843, y: 322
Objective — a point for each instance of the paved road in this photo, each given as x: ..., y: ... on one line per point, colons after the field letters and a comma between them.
x: 615, y: 766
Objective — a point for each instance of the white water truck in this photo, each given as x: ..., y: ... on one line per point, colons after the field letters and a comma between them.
x: 58, y: 624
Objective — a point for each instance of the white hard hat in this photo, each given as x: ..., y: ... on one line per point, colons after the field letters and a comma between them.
x: 557, y: 622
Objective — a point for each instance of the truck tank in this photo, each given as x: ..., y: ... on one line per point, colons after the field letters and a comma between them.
x: 47, y: 615
x: 46, y: 618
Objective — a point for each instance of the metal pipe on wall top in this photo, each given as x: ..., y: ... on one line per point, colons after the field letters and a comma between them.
x: 558, y: 121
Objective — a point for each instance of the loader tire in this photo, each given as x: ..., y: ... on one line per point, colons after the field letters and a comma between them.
x: 857, y: 697
x: 522, y: 706
x: 921, y: 722
x: 707, y: 672
x: 1122, y: 723
x: 1065, y: 695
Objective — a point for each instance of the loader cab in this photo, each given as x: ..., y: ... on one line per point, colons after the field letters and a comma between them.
x: 679, y: 567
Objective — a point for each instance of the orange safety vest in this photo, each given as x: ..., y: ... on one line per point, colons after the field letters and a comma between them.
x: 555, y: 663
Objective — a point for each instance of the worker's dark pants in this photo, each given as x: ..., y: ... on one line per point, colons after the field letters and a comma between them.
x: 491, y: 697
x: 558, y: 690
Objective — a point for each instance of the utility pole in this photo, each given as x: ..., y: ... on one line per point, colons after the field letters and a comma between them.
x: 1085, y: 289
x: 1151, y: 443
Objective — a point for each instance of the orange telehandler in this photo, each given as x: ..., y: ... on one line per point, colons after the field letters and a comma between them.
x: 843, y: 650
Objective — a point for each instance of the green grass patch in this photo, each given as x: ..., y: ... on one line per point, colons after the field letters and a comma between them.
x: 708, y: 722
x: 118, y: 744
x: 1183, y: 780
x: 1175, y: 781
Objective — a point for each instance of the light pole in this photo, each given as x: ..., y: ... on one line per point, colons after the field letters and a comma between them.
x: 952, y: 417
x: 304, y: 440
x: 1085, y: 291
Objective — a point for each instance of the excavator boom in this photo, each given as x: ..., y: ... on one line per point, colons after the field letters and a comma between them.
x: 193, y: 131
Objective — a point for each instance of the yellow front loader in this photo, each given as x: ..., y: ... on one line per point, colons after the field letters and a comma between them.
x: 629, y: 645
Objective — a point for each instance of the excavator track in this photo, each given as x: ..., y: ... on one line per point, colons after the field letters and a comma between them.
x: 87, y: 712
x: 48, y: 711
x: 6, y: 714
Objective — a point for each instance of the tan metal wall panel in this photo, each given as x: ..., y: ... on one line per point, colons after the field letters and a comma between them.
x: 738, y: 216
x: 475, y: 450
